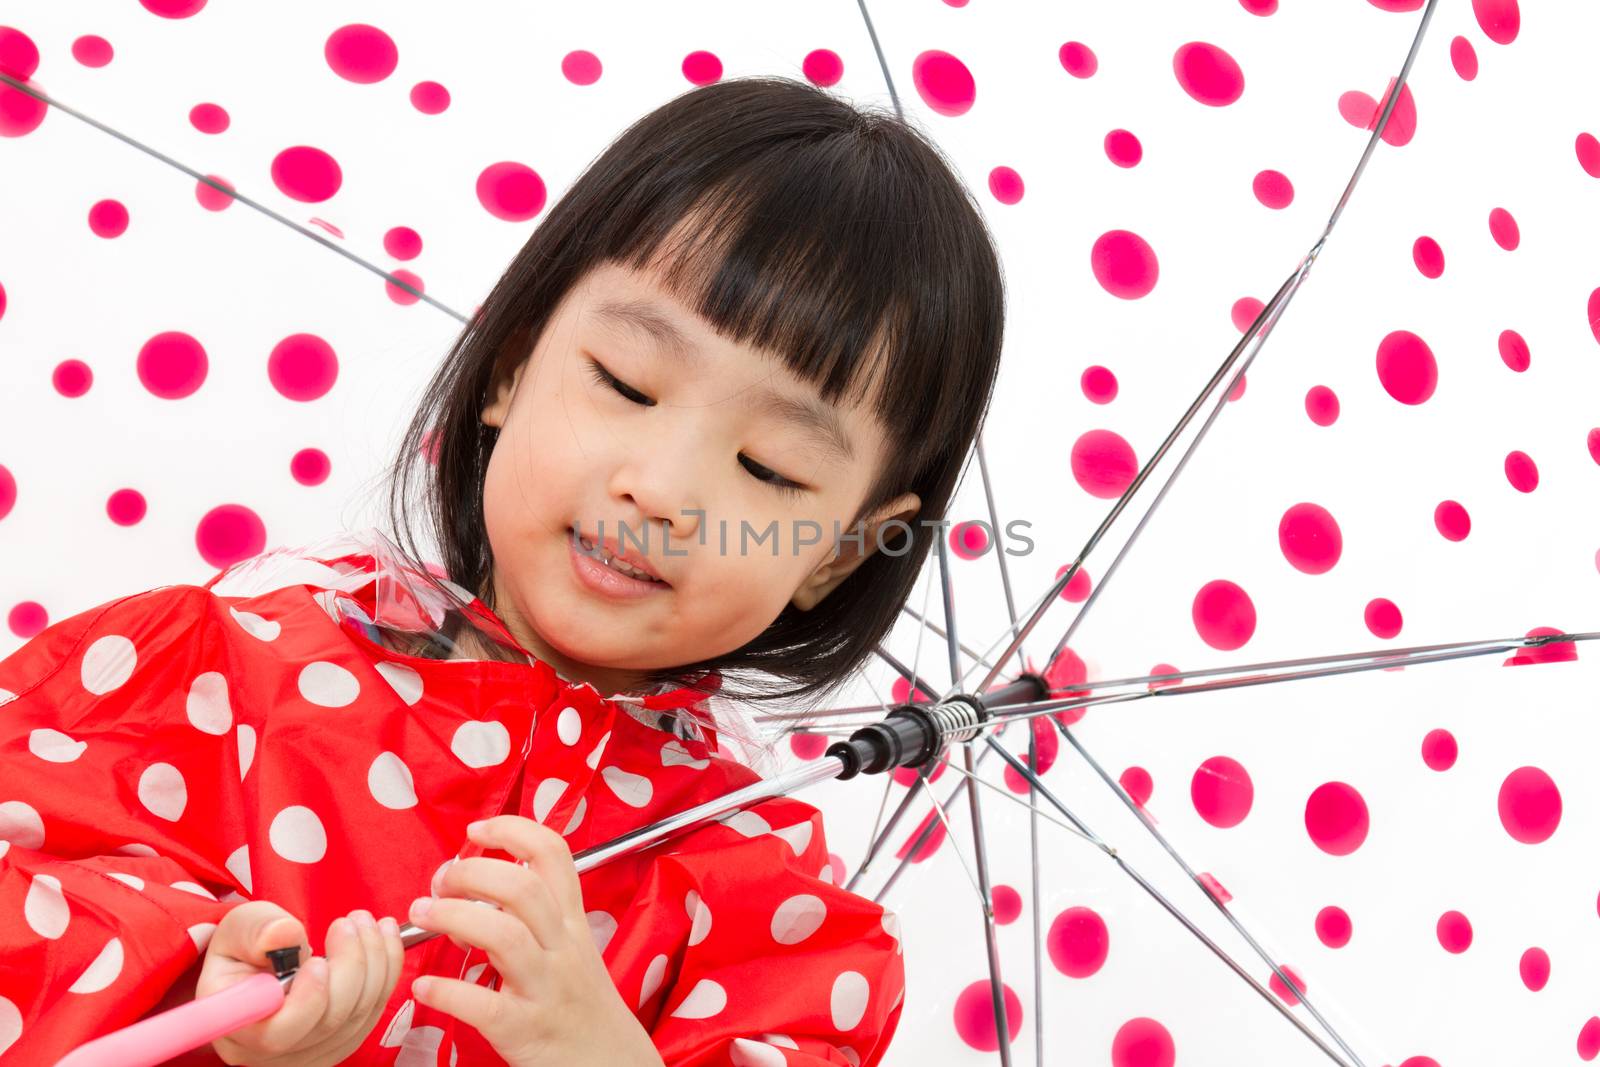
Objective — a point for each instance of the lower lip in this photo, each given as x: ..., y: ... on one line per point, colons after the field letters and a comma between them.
x: 605, y: 581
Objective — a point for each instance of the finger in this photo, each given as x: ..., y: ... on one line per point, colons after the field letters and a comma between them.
x: 518, y: 891
x: 484, y: 1009
x: 541, y: 848
x: 346, y: 967
x: 288, y: 1027
x: 372, y: 975
x: 506, y: 939
x: 394, y: 951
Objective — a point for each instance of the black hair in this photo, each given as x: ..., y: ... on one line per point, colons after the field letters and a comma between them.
x: 834, y: 235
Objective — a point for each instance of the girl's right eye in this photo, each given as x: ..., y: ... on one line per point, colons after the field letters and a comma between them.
x: 605, y: 377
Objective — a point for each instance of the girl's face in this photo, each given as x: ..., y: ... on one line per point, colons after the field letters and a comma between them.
x: 694, y: 456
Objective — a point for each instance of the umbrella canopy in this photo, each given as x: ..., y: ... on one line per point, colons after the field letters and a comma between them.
x: 1410, y: 461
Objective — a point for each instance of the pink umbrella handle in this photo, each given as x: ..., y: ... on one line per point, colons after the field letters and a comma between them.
x: 159, y: 1038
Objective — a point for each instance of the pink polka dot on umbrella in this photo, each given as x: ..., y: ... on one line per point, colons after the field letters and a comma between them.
x: 1534, y: 968
x: 1336, y: 818
x: 944, y: 83
x: 1588, y: 149
x: 92, y: 50
x: 1514, y: 350
x: 1123, y: 148
x: 1078, y: 59
x: 1007, y: 904
x: 1143, y: 1042
x: 702, y: 68
x: 1287, y: 995
x: 1503, y: 228
x: 1273, y: 189
x: 1124, y: 264
x: 27, y: 619
x: 1078, y: 587
x: 1522, y: 472
x: 72, y: 378
x: 974, y: 1016
x: 1529, y: 805
x: 1594, y: 444
x: 581, y: 67
x: 172, y: 365
x: 1464, y: 58
x: 1452, y: 521
x: 1383, y: 618
x: 1589, y: 1039
x: 302, y: 367
x: 1500, y: 20
x: 1078, y: 942
x: 1005, y: 185
x: 1322, y: 405
x: 822, y: 67
x: 1222, y: 791
x: 229, y: 533
x: 1223, y: 615
x: 430, y: 98
x: 1439, y: 750
x: 1137, y: 783
x: 1310, y: 539
x: 971, y: 539
x: 402, y: 242
x: 1100, y: 387
x: 1208, y: 73
x: 306, y: 174
x: 1407, y: 369
x: 212, y: 198
x: 1244, y: 312
x: 1103, y: 464
x: 399, y: 293
x: 310, y: 466
x: 126, y: 507
x: 1262, y: 8
x: 511, y: 191
x: 19, y: 55
x: 1454, y: 932
x: 173, y: 9
x: 361, y: 53
x: 1428, y: 256
x: 108, y: 219
x: 8, y: 492
x: 1333, y: 926
x: 209, y: 118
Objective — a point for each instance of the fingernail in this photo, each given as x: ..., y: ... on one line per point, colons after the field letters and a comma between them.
x: 317, y: 968
x: 475, y: 827
x: 421, y: 986
x: 388, y: 925
x: 420, y: 906
x: 364, y: 918
x: 345, y: 927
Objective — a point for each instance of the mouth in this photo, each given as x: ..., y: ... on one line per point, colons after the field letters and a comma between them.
x: 603, y: 556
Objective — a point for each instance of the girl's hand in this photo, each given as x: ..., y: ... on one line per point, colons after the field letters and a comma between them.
x: 556, y: 1002
x: 332, y: 1003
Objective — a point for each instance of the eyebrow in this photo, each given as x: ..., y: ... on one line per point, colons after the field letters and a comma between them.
x: 817, y: 419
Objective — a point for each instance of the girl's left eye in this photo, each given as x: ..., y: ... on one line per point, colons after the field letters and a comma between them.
x: 765, y: 475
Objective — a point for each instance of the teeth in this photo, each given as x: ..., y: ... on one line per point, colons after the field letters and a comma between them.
x: 615, y: 564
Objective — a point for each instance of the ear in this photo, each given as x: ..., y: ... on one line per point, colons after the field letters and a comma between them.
x: 848, y: 555
x: 498, y: 409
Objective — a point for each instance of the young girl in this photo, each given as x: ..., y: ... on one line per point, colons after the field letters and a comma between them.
x: 762, y: 321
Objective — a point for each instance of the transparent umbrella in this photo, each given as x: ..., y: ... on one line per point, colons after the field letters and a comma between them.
x: 1357, y: 839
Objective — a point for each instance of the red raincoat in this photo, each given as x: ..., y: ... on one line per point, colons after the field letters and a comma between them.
x: 170, y: 753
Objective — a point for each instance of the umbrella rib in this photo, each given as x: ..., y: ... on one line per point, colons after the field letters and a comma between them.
x: 1033, y: 761
x: 303, y: 231
x: 1253, y: 338
x: 1233, y: 920
x: 980, y: 846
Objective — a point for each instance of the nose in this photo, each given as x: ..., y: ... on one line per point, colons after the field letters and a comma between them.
x: 657, y: 482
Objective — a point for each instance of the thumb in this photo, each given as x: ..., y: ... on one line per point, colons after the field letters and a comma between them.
x: 259, y: 926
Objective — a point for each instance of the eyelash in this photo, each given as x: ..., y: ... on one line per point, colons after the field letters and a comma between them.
x: 783, y: 485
